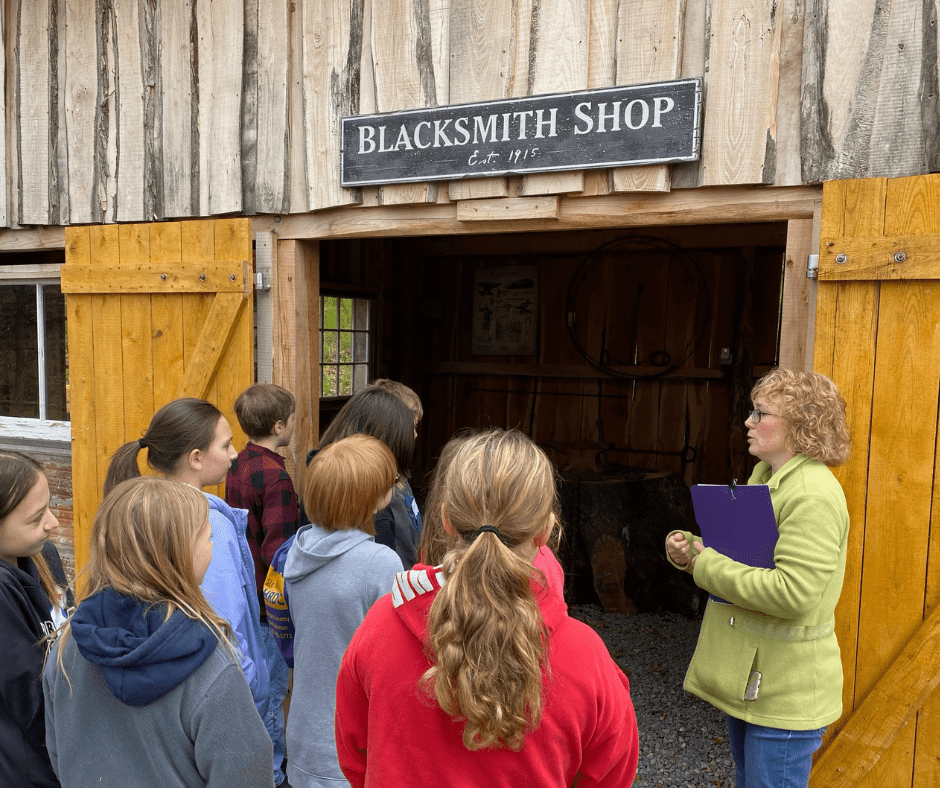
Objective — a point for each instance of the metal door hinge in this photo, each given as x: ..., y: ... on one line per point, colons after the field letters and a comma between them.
x: 812, y: 266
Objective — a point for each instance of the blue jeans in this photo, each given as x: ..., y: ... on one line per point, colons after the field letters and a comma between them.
x: 274, y: 719
x: 771, y: 757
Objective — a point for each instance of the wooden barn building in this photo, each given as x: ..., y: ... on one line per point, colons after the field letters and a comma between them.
x: 182, y: 216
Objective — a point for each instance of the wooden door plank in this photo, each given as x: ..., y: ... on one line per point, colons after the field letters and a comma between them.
x: 226, y: 276
x: 130, y: 155
x: 178, y: 111
x: 220, y: 43
x: 81, y: 333
x: 900, y: 486
x: 198, y: 244
x: 135, y: 337
x: 649, y: 49
x: 167, y: 315
x: 33, y: 98
x: 482, y: 50
x: 271, y: 160
x: 332, y: 41
x: 891, y: 705
x: 306, y: 258
x: 744, y: 41
x: 404, y: 77
x: 108, y: 363
x: 237, y: 368
x: 559, y: 57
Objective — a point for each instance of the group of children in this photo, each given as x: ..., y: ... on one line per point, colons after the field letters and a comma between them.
x: 439, y: 649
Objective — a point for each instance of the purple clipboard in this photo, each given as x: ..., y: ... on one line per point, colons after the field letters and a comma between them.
x: 737, y: 521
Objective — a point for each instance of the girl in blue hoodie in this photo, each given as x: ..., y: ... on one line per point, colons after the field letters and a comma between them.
x: 143, y: 687
x: 190, y: 441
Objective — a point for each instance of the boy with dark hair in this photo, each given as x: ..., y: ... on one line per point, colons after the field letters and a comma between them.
x: 259, y: 482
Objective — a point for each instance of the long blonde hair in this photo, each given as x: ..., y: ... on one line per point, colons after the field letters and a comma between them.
x: 487, y: 640
x: 142, y: 545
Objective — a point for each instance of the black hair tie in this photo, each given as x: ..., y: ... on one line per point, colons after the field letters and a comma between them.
x: 142, y: 443
x: 492, y: 529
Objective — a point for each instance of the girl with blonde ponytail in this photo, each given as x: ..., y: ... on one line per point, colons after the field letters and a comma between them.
x: 476, y: 657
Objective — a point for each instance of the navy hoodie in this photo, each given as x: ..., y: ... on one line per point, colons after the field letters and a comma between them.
x: 147, y: 700
x: 141, y: 653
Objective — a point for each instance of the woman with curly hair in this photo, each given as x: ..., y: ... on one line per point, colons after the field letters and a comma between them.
x: 476, y: 659
x: 768, y: 656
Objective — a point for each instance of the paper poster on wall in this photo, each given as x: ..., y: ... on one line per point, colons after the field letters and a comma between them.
x: 505, y: 311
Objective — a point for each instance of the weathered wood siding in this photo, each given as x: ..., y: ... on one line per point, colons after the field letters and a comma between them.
x: 129, y: 110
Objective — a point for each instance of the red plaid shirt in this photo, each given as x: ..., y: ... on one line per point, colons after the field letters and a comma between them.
x: 259, y: 482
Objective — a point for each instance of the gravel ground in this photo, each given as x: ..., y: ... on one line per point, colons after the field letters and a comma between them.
x: 683, y: 740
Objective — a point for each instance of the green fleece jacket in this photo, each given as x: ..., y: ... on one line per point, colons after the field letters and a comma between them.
x: 779, y: 621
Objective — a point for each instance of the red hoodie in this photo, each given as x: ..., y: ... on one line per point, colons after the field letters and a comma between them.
x: 389, y: 734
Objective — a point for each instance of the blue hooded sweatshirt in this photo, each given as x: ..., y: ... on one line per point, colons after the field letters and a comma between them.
x: 141, y: 653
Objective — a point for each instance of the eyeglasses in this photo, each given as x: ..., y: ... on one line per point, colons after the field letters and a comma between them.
x: 755, y: 415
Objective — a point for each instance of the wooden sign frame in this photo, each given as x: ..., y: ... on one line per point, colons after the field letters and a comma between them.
x: 655, y: 123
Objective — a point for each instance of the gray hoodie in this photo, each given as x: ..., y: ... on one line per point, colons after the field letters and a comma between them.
x: 332, y: 579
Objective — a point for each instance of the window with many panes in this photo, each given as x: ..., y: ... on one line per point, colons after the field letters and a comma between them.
x: 345, y: 344
x: 33, y: 351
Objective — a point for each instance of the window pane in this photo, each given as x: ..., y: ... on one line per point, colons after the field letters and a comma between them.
x: 19, y: 355
x: 327, y: 363
x: 57, y: 381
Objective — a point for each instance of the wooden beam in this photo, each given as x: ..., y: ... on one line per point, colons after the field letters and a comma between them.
x: 892, y: 702
x: 508, y: 209
x: 881, y: 257
x: 678, y: 207
x: 220, y: 277
x: 564, y: 371
x: 213, y: 339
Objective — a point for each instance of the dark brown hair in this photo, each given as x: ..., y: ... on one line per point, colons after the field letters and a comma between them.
x: 259, y: 407
x: 344, y: 482
x: 18, y: 475
x: 380, y: 414
x: 175, y: 430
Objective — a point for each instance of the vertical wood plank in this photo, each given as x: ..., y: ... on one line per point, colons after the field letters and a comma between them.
x: 12, y: 185
x: 297, y: 144
x: 900, y: 485
x: 4, y: 179
x: 237, y: 370
x: 797, y: 298
x: 686, y: 175
x: 332, y: 41
x: 136, y: 335
x: 559, y: 56
x: 482, y: 50
x: 271, y: 172
x: 404, y: 77
x: 130, y: 164
x: 602, y: 67
x: 742, y: 93
x: 220, y: 40
x: 33, y: 113
x: 649, y: 49
x: 108, y: 364
x: 83, y: 417
x: 167, y: 316
x: 177, y: 112
x: 785, y: 129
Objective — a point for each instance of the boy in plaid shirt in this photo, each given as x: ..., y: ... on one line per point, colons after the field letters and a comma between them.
x: 259, y: 482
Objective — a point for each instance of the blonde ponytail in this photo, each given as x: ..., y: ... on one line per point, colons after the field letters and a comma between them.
x: 488, y: 642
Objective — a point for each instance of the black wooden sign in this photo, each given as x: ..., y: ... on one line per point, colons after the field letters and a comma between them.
x: 611, y: 127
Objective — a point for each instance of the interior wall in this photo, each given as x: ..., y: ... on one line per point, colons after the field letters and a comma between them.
x: 656, y: 313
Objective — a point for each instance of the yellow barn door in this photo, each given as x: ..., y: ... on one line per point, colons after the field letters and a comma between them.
x: 155, y: 312
x: 878, y: 337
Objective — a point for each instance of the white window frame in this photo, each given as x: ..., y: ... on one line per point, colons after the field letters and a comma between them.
x: 40, y: 429
x: 360, y: 370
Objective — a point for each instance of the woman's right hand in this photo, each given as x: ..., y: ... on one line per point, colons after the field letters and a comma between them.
x: 677, y: 546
